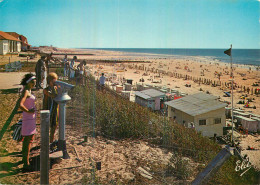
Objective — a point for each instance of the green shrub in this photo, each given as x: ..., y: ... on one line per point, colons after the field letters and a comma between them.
x: 119, y: 118
x: 179, y: 167
x: 59, y: 71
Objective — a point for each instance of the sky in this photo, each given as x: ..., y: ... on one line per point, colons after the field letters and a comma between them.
x: 134, y: 23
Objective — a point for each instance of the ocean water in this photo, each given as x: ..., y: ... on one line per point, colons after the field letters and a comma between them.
x: 239, y: 56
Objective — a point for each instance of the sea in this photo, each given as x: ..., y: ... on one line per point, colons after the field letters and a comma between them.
x: 239, y: 56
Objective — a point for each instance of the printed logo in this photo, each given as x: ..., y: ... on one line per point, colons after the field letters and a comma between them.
x: 242, y: 165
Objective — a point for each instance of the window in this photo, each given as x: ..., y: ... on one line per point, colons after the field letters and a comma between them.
x: 172, y: 109
x: 202, y: 122
x: 5, y: 47
x: 217, y: 120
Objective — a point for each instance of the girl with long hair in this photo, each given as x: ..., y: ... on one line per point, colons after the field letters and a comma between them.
x: 27, y: 105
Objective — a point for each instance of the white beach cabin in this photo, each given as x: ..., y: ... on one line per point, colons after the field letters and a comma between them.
x: 201, y: 111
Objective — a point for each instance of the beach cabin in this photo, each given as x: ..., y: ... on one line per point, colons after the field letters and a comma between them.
x: 251, y: 124
x: 119, y: 88
x: 150, y: 98
x: 9, y: 44
x: 128, y: 87
x: 228, y: 112
x: 139, y: 86
x: 126, y: 94
x: 202, y: 111
x: 258, y: 122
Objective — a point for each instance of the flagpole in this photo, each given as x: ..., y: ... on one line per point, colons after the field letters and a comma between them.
x: 232, y: 102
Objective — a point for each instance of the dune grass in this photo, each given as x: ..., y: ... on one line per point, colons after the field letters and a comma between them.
x: 118, y: 118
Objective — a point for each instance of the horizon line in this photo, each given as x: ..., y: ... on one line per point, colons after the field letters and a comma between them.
x: 158, y: 48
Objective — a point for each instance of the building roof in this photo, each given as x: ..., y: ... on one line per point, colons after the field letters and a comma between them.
x: 245, y: 118
x: 241, y: 113
x: 20, y: 37
x: 16, y: 35
x: 196, y: 104
x: 24, y: 40
x: 153, y: 93
x: 149, y: 93
x: 6, y: 36
x: 255, y: 118
x: 142, y: 95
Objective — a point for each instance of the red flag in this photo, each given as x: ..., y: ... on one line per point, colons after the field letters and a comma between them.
x: 228, y: 52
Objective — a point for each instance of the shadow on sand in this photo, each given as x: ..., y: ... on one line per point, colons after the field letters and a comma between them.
x: 10, y: 118
x: 8, y: 167
x: 10, y: 91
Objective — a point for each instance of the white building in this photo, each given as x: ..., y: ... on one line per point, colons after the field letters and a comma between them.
x: 201, y: 110
x: 9, y: 44
x: 25, y: 45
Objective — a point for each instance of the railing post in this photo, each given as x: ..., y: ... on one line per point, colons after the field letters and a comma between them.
x: 44, y: 157
x: 213, y: 167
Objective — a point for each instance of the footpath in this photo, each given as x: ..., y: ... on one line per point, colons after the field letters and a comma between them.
x: 11, y: 80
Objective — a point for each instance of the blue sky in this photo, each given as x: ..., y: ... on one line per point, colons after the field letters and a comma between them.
x: 134, y: 23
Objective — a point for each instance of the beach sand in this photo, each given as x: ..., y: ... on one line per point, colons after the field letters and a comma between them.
x: 159, y: 70
x: 254, y: 155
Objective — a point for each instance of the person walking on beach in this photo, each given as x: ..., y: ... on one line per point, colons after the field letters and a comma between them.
x: 72, y: 70
x: 49, y: 93
x: 102, y: 80
x: 81, y: 69
x: 40, y: 69
x: 27, y: 105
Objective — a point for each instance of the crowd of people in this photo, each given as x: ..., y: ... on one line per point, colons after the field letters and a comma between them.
x: 71, y: 69
x: 50, y: 91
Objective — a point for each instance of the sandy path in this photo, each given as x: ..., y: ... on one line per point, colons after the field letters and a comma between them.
x: 254, y: 155
x: 11, y: 80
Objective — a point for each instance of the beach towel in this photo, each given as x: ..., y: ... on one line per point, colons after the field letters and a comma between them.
x: 17, y: 134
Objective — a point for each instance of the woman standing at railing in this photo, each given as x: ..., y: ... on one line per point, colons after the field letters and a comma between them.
x: 28, y: 107
x: 72, y: 70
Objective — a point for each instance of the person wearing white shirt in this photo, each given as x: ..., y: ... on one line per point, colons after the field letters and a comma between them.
x: 66, y: 65
x: 102, y: 80
x: 72, y: 70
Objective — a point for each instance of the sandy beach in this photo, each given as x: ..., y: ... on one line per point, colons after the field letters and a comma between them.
x: 172, y: 72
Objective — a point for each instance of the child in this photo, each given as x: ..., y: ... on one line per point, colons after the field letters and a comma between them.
x: 27, y: 105
x: 49, y: 93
